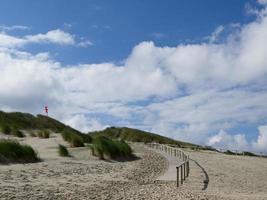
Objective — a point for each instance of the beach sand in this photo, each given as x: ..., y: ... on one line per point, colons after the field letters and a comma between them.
x: 83, y: 176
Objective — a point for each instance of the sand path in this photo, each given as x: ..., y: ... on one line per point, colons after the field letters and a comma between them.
x: 173, y: 162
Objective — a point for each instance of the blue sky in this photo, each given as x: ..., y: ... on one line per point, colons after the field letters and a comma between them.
x: 116, y: 26
x: 191, y: 70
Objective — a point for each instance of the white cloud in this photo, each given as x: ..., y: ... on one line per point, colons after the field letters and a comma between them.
x: 262, y: 2
x: 85, y: 43
x: 56, y: 36
x: 10, y: 41
x: 80, y: 122
x: 239, y: 142
x: 261, y: 144
x: 226, y: 141
x: 214, y: 36
x: 14, y: 27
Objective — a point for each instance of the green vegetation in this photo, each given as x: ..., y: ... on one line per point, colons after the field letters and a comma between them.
x: 8, y: 122
x: 12, y: 151
x: 16, y: 132
x: 246, y: 153
x: 134, y: 135
x: 6, y: 129
x: 32, y: 133
x: 228, y: 152
x: 63, y: 151
x: 73, y: 138
x: 114, y: 149
x: 43, y: 134
x: 86, y: 138
x: 25, y: 121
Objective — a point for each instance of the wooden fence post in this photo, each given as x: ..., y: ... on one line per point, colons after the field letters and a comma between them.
x: 177, y: 169
x: 187, y: 167
x: 181, y: 174
x: 184, y: 171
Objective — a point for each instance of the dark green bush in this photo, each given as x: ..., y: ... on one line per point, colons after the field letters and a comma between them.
x: 247, y: 153
x: 228, y: 152
x: 66, y: 135
x: 86, y: 138
x: 6, y: 129
x: 74, y: 139
x: 63, y: 151
x: 16, y: 132
x: 12, y: 151
x: 46, y: 134
x: 103, y: 146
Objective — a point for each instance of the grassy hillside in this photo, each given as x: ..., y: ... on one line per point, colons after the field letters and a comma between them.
x: 25, y: 121
x: 28, y: 121
x: 134, y: 135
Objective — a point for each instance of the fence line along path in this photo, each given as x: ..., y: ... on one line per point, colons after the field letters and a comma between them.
x: 179, y: 166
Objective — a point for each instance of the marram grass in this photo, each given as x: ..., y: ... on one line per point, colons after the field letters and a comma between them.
x: 13, y: 152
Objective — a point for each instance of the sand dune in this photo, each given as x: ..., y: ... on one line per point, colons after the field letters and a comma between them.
x: 83, y: 176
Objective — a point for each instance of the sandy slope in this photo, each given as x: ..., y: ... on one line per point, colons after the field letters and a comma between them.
x: 230, y: 177
x: 85, y: 177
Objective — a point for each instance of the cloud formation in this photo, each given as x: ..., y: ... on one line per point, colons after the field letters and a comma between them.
x: 15, y: 27
x: 239, y: 142
x: 56, y: 36
x: 188, y: 92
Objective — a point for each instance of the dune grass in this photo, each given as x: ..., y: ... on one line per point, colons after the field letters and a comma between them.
x: 16, y: 132
x: 63, y: 151
x: 228, y: 152
x: 13, y: 152
x: 135, y: 135
x: 43, y: 134
x: 25, y: 121
x: 114, y: 149
x: 6, y: 129
x: 32, y: 134
x: 74, y: 139
x: 245, y: 153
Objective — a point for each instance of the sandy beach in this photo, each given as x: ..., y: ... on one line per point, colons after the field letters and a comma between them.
x: 82, y: 176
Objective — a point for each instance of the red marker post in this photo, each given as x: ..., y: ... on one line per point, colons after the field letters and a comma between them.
x: 46, y: 110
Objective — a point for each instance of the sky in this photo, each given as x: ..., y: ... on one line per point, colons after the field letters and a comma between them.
x: 190, y: 70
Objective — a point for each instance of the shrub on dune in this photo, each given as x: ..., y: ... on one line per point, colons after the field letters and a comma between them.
x: 86, y: 138
x: 32, y: 134
x: 124, y: 149
x: 66, y: 135
x: 247, y: 153
x: 228, y: 152
x: 74, y: 139
x: 63, y: 151
x: 12, y: 151
x: 6, y: 129
x: 46, y: 134
x: 43, y: 134
x: 16, y: 132
x: 103, y: 146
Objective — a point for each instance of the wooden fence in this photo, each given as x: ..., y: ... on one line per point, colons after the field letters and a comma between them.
x: 183, y: 168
